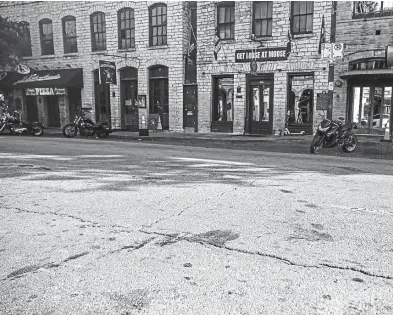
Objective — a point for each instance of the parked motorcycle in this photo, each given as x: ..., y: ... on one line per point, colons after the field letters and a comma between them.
x: 86, y: 127
x: 333, y: 133
x: 16, y: 126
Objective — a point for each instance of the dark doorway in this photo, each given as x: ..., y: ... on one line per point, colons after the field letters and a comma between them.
x: 102, y: 100
x: 190, y: 106
x: 259, y: 105
x: 159, y: 98
x: 300, y: 105
x: 128, y: 98
x: 31, y: 108
x: 52, y: 106
x: 74, y: 101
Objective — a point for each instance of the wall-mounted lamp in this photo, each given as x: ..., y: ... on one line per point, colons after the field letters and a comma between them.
x: 324, y: 68
x: 203, y: 73
x: 46, y: 67
x: 113, y: 94
x: 279, y: 69
x: 68, y: 65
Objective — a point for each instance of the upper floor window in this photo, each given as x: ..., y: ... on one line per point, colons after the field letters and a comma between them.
x: 158, y: 21
x: 302, y: 17
x: 262, y: 21
x: 98, y: 31
x: 25, y: 30
x: 226, y: 20
x: 46, y: 33
x: 361, y: 9
x: 69, y: 35
x: 126, y: 28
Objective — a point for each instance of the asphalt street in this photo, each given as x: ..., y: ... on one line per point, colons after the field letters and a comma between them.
x: 113, y: 227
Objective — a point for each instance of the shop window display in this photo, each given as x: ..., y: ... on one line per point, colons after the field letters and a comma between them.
x: 223, y: 100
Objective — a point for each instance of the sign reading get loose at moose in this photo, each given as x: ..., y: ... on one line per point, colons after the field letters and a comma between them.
x: 268, y: 54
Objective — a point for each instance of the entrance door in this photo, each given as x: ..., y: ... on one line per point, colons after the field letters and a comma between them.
x: 31, y: 108
x: 102, y: 100
x: 190, y: 104
x: 371, y: 107
x: 260, y: 106
x: 53, y: 111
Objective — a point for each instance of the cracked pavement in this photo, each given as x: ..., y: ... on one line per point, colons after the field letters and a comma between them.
x: 106, y: 227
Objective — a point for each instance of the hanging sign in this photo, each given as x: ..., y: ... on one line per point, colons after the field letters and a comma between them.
x: 22, y: 69
x: 107, y: 73
x: 46, y: 91
x: 322, y: 101
x: 279, y: 53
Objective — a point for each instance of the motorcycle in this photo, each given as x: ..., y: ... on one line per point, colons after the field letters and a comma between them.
x: 16, y: 126
x: 333, y: 133
x: 86, y: 126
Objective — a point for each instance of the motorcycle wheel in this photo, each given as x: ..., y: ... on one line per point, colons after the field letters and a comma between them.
x: 69, y: 131
x: 37, y: 131
x: 314, y: 147
x: 351, y: 146
x: 102, y: 135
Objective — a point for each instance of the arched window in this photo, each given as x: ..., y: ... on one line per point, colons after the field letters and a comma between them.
x: 25, y: 30
x: 126, y: 28
x: 158, y: 23
x: 69, y: 34
x: 46, y: 34
x: 98, y: 31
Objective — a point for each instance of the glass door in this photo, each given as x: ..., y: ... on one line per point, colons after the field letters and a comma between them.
x: 371, y: 108
x: 260, y: 106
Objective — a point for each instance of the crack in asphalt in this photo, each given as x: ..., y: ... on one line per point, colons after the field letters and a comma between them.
x: 176, y: 238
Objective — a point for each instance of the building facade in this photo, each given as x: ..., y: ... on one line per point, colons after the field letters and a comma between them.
x: 268, y: 69
x: 363, y: 81
x: 208, y: 66
x: 146, y: 41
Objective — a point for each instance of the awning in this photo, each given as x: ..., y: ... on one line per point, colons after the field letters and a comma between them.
x: 65, y: 78
x: 368, y: 74
x: 7, y: 80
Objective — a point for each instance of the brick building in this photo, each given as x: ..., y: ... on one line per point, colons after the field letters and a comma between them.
x: 147, y: 41
x: 363, y: 89
x: 256, y: 66
x: 268, y: 67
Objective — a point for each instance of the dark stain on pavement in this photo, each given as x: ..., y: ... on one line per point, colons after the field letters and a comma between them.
x: 25, y: 165
x: 317, y: 226
x: 286, y: 191
x: 216, y: 237
x: 357, y: 280
x: 23, y: 270
x: 136, y: 299
x: 311, y: 205
x: 76, y: 256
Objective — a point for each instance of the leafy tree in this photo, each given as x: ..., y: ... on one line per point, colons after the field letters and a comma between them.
x: 12, y: 42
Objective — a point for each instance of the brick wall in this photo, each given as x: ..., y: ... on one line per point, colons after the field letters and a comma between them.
x: 142, y: 57
x: 304, y: 58
x: 359, y: 36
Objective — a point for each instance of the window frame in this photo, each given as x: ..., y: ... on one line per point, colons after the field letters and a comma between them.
x: 94, y: 43
x: 67, y: 37
x: 231, y: 24
x: 164, y: 25
x: 268, y: 19
x: 25, y: 30
x: 45, y: 41
x: 131, y: 20
x: 306, y: 14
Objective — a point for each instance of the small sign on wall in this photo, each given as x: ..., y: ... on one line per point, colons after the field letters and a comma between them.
x: 322, y: 101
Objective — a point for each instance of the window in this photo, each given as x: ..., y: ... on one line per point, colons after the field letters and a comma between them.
x: 157, y: 14
x: 126, y: 28
x: 223, y: 99
x: 226, y: 20
x: 361, y: 9
x: 46, y: 32
x: 159, y: 97
x: 263, y: 12
x: 69, y: 34
x: 25, y: 30
x: 302, y: 16
x: 98, y: 31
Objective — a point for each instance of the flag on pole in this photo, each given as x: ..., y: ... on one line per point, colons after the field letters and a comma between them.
x: 217, y: 44
x: 289, y: 38
x: 192, y: 45
x: 322, y: 37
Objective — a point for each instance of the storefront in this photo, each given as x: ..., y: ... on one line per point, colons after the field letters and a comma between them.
x: 51, y: 97
x: 7, y: 79
x: 370, y: 87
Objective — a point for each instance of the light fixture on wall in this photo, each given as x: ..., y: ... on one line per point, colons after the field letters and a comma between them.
x: 68, y: 65
x: 46, y: 67
x: 113, y: 94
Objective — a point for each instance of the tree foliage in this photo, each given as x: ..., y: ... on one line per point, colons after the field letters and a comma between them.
x: 12, y: 42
